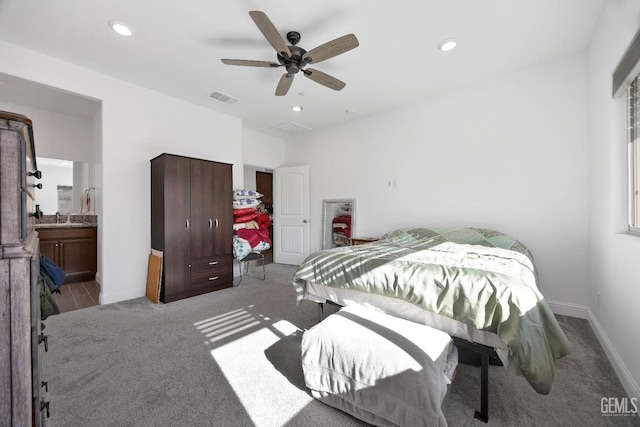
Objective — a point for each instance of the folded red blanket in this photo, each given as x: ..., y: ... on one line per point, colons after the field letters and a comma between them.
x: 345, y: 219
x: 254, y: 237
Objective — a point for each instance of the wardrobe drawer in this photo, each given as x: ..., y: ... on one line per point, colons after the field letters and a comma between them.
x: 211, y: 272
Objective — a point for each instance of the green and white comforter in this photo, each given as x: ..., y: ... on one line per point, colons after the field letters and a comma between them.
x: 478, y: 277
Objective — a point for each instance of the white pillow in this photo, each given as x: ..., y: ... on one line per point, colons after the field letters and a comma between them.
x: 246, y: 194
x: 245, y: 203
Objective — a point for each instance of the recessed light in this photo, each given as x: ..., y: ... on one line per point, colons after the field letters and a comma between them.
x: 120, y: 28
x: 448, y: 44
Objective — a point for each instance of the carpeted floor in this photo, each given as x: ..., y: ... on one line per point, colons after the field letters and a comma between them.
x: 232, y: 358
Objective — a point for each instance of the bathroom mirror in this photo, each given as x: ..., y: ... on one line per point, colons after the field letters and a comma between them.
x: 63, y: 182
x: 338, y: 222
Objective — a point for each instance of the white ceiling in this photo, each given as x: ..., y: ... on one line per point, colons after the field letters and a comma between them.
x: 177, y: 46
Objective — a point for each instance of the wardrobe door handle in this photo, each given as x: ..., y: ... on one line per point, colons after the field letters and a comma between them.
x: 187, y: 224
x: 210, y: 223
x: 216, y: 222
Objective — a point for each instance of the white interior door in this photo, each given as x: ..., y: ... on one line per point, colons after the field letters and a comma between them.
x: 291, y: 214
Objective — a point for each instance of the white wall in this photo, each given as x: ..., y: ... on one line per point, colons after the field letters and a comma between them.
x: 59, y: 136
x: 136, y: 125
x: 508, y: 154
x: 262, y: 150
x: 614, y: 269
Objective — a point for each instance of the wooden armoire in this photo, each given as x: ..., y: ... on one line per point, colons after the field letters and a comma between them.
x: 21, y: 339
x: 192, y: 223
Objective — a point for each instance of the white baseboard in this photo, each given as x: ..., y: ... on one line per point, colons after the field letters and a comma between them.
x: 121, y: 296
x: 628, y: 382
x: 583, y: 312
x: 569, y: 309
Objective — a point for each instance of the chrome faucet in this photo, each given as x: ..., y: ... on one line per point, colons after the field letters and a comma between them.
x: 57, y: 217
x: 68, y: 217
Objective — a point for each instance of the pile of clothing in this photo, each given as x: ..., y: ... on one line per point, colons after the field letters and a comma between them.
x: 250, y: 232
x: 341, y: 225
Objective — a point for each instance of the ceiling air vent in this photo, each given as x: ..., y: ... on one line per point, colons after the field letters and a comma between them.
x: 291, y: 128
x: 223, y: 98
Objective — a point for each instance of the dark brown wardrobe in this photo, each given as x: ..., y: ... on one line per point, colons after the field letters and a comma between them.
x: 192, y: 223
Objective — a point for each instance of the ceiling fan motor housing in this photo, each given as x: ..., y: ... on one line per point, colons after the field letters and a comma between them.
x: 294, y: 63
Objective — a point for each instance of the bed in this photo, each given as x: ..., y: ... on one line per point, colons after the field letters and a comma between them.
x: 480, y: 286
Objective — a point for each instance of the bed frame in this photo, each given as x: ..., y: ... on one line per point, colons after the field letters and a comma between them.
x: 485, y: 352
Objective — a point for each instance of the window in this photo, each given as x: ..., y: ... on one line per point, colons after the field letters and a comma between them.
x: 633, y: 138
x: 627, y: 77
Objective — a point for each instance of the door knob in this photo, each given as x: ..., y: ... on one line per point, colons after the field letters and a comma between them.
x: 305, y: 221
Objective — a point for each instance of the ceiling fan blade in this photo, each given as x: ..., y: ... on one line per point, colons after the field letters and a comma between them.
x: 324, y: 79
x: 249, y: 63
x: 270, y: 32
x: 330, y: 49
x: 284, y: 84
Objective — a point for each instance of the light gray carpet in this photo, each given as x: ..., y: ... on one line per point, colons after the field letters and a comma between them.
x: 232, y: 358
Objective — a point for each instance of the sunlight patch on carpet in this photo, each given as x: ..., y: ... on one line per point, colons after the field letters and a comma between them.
x: 226, y: 325
x: 253, y: 378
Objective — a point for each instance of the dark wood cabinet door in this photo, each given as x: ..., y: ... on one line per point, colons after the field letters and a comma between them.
x: 223, y: 209
x: 177, y: 197
x: 78, y: 259
x: 203, y: 220
x: 264, y: 186
x: 49, y: 248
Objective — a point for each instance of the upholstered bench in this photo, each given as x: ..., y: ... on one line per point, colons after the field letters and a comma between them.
x: 378, y: 368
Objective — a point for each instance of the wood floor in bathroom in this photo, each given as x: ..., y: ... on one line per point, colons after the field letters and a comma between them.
x: 74, y: 296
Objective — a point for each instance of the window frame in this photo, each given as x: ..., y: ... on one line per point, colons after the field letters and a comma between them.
x: 633, y: 142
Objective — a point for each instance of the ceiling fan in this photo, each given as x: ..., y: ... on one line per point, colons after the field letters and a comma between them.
x: 294, y: 58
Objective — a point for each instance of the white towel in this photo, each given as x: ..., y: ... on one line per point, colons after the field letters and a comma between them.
x: 86, y: 202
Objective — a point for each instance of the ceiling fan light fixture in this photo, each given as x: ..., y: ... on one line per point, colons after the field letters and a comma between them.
x: 120, y: 28
x: 448, y: 44
x: 298, y: 108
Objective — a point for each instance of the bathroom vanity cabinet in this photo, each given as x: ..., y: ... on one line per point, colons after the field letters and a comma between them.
x: 72, y: 248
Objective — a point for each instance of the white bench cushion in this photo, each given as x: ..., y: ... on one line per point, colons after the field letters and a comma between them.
x: 381, y: 369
